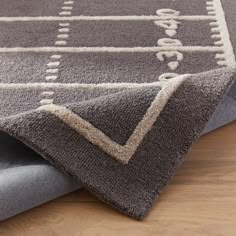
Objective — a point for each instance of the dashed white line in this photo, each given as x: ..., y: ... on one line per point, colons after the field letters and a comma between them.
x: 63, y: 30
x: 64, y: 24
x: 65, y: 13
x: 66, y: 8
x: 46, y: 101
x: 51, y: 77
x: 62, y: 36
x: 61, y: 42
x: 53, y: 64
x: 56, y: 56
x: 47, y: 93
x: 52, y: 71
x: 68, y: 2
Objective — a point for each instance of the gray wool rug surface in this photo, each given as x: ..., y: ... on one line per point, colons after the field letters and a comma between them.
x: 108, y: 95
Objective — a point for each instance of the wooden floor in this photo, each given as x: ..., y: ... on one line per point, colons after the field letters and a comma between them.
x: 200, y: 200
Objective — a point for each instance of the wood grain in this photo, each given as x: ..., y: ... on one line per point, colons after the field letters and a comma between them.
x: 200, y: 200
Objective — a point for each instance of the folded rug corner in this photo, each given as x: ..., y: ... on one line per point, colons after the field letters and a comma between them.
x: 125, y: 146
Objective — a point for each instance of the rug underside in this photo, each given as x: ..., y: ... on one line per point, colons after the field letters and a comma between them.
x: 112, y: 95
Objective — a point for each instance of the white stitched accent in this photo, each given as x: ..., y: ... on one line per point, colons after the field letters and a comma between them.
x: 61, y: 42
x: 56, y: 56
x: 64, y: 24
x: 66, y: 8
x: 169, y: 42
x: 47, y: 93
x: 68, y: 2
x: 178, y: 56
x: 64, y: 30
x: 216, y: 36
x: 171, y: 33
x: 210, y: 3
x: 167, y: 24
x: 53, y: 64
x: 222, y: 63
x: 52, y: 71
x: 220, y: 42
x: 167, y: 12
x: 210, y: 8
x: 211, y: 12
x: 167, y: 76
x: 62, y: 36
x: 173, y: 65
x: 65, y: 13
x: 216, y: 29
x: 222, y: 55
x: 46, y: 101
x: 215, y: 23
x: 169, y: 54
x: 51, y: 77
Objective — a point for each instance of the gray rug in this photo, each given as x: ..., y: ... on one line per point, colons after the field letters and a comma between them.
x: 108, y: 95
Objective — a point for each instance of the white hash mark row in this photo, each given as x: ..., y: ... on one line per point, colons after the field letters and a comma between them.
x: 52, y: 66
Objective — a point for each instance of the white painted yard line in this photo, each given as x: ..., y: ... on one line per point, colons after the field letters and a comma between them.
x: 113, y: 49
x: 110, y: 18
x: 77, y: 85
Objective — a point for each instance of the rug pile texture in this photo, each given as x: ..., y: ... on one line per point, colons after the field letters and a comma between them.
x: 108, y: 95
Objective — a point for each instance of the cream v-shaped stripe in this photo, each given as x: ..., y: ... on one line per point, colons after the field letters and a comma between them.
x: 98, y: 138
